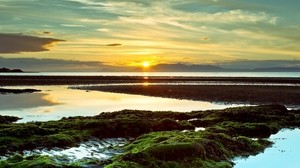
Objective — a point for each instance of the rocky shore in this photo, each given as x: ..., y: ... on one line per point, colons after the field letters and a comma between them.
x: 159, y: 139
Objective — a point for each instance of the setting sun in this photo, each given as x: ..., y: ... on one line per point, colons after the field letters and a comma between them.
x: 146, y: 64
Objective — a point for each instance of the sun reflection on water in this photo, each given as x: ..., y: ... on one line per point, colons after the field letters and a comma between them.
x: 55, y: 102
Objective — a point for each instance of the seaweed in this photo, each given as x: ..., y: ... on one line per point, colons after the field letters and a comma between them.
x: 160, y: 139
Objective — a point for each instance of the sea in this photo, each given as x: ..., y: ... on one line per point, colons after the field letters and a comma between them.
x: 174, y: 74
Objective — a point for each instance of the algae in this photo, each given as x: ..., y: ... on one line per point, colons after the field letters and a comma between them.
x: 158, y: 137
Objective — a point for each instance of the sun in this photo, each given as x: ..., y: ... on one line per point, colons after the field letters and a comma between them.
x: 146, y: 64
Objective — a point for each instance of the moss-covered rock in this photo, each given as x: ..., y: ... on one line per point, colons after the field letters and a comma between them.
x: 161, y: 139
x: 71, y: 131
x: 254, y: 130
x: 182, y: 149
x: 18, y: 161
x: 8, y: 119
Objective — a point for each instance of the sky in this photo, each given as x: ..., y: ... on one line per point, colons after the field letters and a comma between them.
x: 126, y: 33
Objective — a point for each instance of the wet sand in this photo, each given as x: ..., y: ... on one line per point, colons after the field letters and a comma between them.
x: 241, y: 92
x: 76, y: 80
x: 245, y: 94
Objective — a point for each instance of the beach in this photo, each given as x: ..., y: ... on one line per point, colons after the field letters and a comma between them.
x: 205, y: 138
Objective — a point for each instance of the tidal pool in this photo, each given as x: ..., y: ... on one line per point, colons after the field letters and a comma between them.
x: 99, y: 149
x: 284, y: 152
x: 94, y: 149
x: 55, y: 102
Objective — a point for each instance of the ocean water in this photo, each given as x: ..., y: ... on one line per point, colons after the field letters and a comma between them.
x: 175, y: 74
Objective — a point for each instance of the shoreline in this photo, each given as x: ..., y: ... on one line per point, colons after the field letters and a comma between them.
x: 77, y: 80
x: 85, y: 80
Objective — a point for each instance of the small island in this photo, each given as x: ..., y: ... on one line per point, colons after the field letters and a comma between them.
x: 10, y: 70
x: 17, y: 91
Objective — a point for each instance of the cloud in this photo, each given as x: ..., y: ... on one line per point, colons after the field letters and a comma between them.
x: 72, y: 25
x: 103, y: 30
x: 87, y: 2
x: 47, y: 32
x: 240, y: 16
x: 204, y: 38
x: 113, y: 45
x: 17, y: 43
x: 169, y: 30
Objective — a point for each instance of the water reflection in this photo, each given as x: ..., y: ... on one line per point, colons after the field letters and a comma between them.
x: 55, y: 102
x: 284, y: 153
x: 25, y: 101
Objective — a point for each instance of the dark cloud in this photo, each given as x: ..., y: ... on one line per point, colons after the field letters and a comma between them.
x: 16, y: 43
x: 47, y: 32
x: 113, y: 45
x: 204, y: 38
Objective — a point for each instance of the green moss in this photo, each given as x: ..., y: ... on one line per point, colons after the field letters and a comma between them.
x: 23, y: 130
x: 255, y: 130
x: 10, y: 143
x: 37, y: 161
x: 178, y: 149
x: 18, y: 161
x: 159, y: 141
x: 15, y: 158
x: 61, y: 139
x: 191, y: 163
x: 213, y: 164
x: 71, y: 131
x: 124, y: 164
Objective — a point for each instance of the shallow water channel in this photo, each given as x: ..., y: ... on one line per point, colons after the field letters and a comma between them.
x: 55, y: 102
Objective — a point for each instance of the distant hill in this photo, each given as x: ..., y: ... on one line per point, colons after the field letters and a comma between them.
x: 10, y: 70
x: 185, y: 68
x: 213, y: 68
x: 278, y: 69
